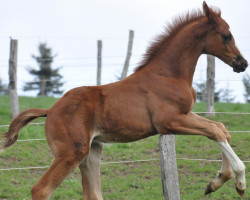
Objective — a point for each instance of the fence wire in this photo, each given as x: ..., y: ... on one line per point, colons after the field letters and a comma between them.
x: 126, y: 161
x: 121, y: 162
x: 229, y: 113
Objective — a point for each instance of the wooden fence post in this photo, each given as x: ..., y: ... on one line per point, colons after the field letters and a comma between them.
x: 210, y: 85
x: 13, y: 78
x: 129, y: 52
x: 99, y: 62
x: 169, y: 172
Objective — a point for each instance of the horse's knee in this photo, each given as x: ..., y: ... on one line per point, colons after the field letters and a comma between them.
x: 228, y: 136
x: 217, y: 134
x: 223, y: 128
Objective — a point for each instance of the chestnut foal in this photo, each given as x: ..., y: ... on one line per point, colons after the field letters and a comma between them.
x: 157, y: 98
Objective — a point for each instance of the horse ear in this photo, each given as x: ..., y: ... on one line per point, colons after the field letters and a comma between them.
x: 211, y: 15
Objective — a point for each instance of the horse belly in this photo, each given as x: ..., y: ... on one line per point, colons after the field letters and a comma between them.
x: 125, y: 128
x: 122, y: 137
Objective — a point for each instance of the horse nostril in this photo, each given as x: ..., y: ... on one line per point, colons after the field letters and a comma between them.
x: 239, y: 57
x: 239, y: 64
x: 245, y: 64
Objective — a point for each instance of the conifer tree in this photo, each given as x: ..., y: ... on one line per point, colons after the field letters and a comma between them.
x: 47, y: 80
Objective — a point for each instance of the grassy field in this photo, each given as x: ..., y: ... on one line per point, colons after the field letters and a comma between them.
x: 126, y: 181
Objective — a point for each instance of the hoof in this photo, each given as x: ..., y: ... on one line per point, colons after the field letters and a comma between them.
x: 209, y: 189
x: 240, y: 192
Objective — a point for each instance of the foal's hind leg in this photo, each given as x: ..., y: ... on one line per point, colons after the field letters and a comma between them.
x: 90, y: 171
x: 53, y: 177
x: 69, y: 148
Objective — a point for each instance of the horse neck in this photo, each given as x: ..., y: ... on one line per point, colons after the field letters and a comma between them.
x: 181, y: 54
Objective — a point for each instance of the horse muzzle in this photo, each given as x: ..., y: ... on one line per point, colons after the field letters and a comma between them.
x: 239, y: 64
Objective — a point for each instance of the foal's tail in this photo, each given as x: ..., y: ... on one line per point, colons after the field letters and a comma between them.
x: 10, y: 137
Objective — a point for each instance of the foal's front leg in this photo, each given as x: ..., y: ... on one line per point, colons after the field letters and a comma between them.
x: 184, y: 124
x: 225, y: 173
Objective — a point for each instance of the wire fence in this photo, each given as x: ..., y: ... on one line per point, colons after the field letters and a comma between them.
x: 121, y: 162
x: 125, y: 161
x: 227, y: 113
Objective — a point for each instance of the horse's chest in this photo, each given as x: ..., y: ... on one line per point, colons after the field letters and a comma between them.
x: 171, y: 99
x: 185, y: 102
x: 181, y: 97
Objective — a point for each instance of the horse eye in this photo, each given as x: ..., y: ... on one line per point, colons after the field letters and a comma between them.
x: 227, y: 38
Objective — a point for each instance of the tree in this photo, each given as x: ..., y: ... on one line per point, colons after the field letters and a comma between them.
x: 201, y: 92
x: 226, y: 95
x: 48, y: 80
x: 246, y: 82
x: 3, y: 88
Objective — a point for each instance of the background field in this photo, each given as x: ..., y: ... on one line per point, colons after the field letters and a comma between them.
x: 126, y: 181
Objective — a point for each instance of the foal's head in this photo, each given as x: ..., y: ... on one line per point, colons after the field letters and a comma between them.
x: 220, y: 42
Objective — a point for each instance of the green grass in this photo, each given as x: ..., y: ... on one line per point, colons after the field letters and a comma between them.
x: 126, y: 181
